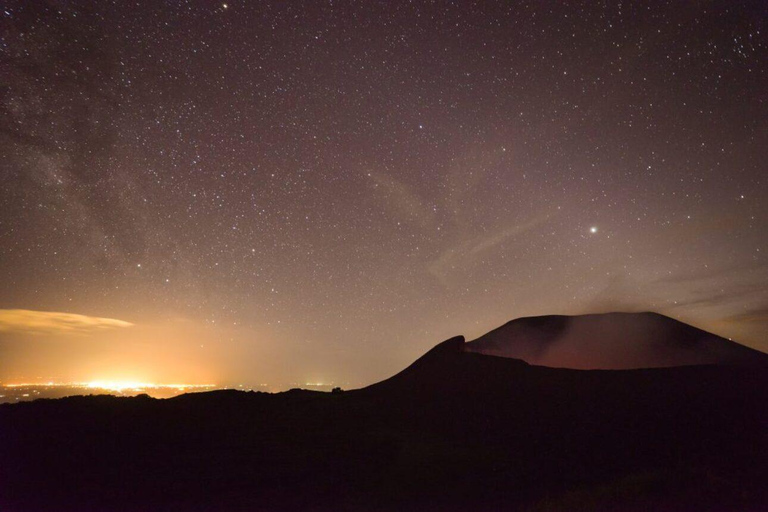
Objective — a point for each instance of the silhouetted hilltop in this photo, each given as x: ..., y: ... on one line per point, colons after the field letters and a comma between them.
x: 450, y: 368
x: 455, y: 431
x: 611, y: 341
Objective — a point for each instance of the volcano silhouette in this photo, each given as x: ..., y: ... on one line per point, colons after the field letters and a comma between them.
x: 611, y: 341
x: 456, y: 430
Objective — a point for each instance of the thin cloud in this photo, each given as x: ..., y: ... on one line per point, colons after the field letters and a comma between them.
x: 467, y: 252
x: 403, y: 200
x: 757, y: 315
x: 53, y: 322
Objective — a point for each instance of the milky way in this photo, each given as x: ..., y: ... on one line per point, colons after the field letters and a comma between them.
x: 285, y: 191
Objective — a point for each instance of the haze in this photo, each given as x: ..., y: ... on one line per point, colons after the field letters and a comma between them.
x: 285, y: 193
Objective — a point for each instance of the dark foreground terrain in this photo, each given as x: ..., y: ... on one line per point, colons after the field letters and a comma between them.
x: 455, y: 431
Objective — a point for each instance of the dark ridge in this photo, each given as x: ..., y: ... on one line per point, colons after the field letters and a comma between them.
x: 447, y: 367
x: 454, y: 431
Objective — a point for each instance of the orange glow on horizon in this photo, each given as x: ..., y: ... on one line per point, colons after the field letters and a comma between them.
x: 112, y: 385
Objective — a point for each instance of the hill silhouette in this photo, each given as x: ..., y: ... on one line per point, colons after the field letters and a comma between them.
x: 611, y: 341
x: 456, y: 430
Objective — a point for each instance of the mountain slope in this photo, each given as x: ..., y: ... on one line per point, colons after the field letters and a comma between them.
x: 611, y: 341
x: 454, y: 431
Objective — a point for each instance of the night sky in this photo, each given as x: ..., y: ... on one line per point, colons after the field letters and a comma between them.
x: 285, y: 192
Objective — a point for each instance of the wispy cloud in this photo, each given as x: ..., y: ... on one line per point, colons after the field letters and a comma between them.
x: 403, y: 200
x: 51, y: 322
x: 467, y: 252
x: 758, y: 315
x: 725, y: 288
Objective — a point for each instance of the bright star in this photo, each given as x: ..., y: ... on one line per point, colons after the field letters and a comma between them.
x: 593, y: 229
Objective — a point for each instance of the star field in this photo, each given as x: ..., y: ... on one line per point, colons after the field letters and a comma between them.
x: 285, y: 191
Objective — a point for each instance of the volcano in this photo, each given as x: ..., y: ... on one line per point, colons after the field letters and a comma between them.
x: 614, y: 341
x: 456, y: 430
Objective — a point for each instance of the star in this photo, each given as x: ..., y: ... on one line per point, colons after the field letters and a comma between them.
x: 433, y: 173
